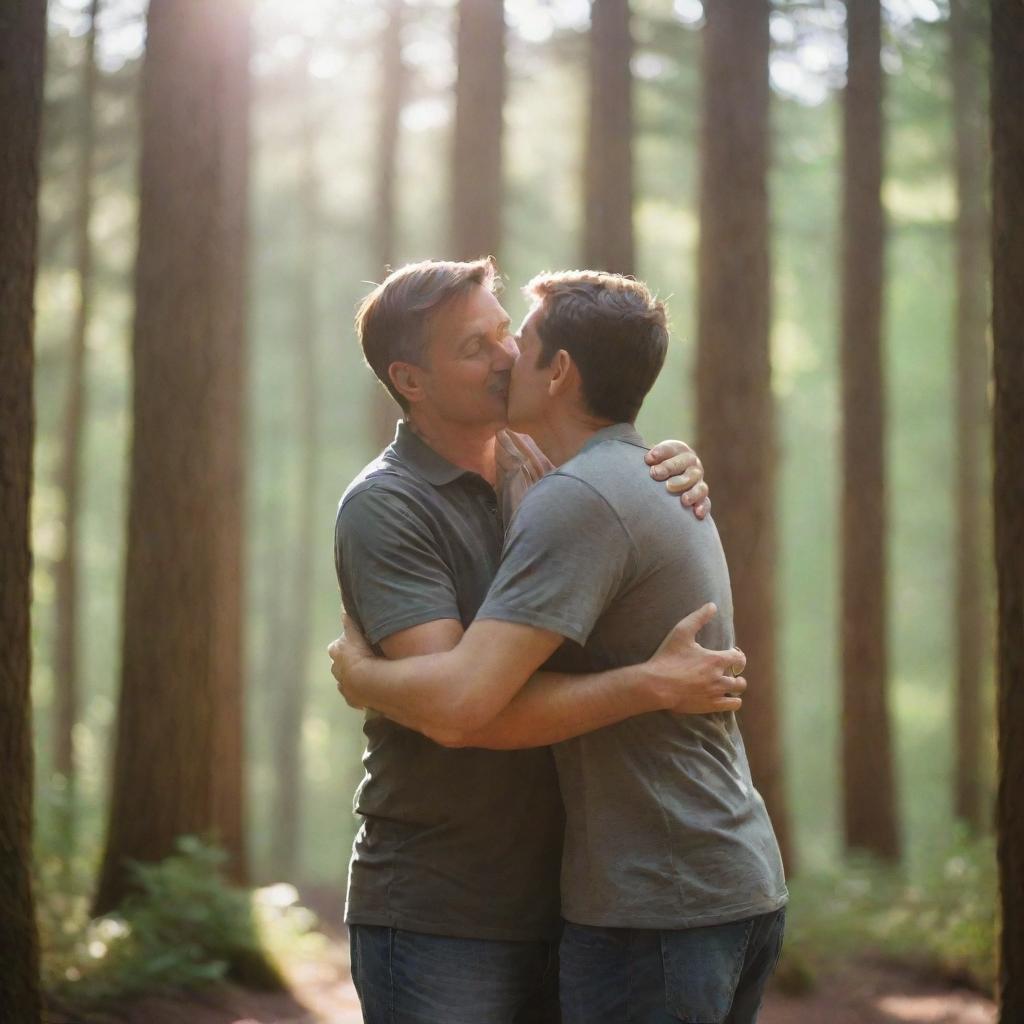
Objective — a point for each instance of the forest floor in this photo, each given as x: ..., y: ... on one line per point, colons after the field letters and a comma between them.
x: 863, y: 992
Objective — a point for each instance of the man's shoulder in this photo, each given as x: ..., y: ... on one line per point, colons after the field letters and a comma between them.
x: 383, y: 487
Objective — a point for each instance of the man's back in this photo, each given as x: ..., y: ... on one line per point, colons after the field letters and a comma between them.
x: 664, y: 827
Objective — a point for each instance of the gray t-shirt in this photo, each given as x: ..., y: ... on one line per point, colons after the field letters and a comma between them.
x: 453, y: 842
x: 664, y: 828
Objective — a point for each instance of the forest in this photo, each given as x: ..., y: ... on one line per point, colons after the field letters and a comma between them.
x: 195, y: 197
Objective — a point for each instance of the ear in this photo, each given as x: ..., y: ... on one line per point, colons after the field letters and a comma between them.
x: 563, y: 373
x: 406, y: 378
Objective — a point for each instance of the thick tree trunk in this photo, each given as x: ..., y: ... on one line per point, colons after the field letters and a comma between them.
x: 292, y: 686
x: 65, y: 656
x: 178, y: 758
x: 476, y: 195
x: 972, y: 626
x: 1008, y: 434
x: 735, y: 414
x: 608, y: 171
x: 393, y: 87
x: 22, y: 45
x: 869, y: 789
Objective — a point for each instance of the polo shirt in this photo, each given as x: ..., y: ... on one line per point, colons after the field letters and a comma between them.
x: 457, y: 842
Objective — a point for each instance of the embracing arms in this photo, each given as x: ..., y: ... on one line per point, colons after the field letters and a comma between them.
x: 480, y: 688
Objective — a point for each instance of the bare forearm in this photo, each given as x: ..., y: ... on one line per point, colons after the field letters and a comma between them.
x: 421, y: 693
x: 455, y: 691
x: 555, y: 706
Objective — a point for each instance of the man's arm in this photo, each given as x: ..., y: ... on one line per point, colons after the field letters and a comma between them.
x: 443, y: 693
x: 420, y: 693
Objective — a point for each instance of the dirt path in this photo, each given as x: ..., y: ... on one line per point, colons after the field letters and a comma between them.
x: 862, y: 993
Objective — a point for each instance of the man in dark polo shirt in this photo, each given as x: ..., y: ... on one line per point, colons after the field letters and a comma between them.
x: 453, y: 890
x: 672, y: 885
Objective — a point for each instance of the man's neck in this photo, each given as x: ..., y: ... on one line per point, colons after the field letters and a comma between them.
x: 561, y: 435
x: 466, y: 446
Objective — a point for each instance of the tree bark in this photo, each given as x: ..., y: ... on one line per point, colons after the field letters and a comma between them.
x: 476, y: 195
x: 735, y: 414
x: 22, y: 47
x: 1008, y: 439
x: 869, y: 790
x: 608, y: 171
x: 292, y: 685
x: 178, y: 757
x: 65, y: 572
x: 972, y: 626
x: 394, y: 78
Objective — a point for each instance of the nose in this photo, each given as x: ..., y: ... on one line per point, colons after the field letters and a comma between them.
x: 506, y: 353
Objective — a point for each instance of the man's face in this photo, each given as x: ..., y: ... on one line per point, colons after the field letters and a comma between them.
x: 529, y: 392
x: 470, y: 355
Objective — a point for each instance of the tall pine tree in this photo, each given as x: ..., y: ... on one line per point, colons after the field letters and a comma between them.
x: 178, y: 757
x: 608, y: 164
x: 735, y: 413
x: 476, y: 172
x: 1008, y: 437
x: 869, y: 790
x: 22, y: 47
x: 972, y: 623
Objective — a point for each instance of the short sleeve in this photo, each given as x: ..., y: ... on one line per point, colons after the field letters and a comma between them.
x: 566, y: 556
x: 389, y: 569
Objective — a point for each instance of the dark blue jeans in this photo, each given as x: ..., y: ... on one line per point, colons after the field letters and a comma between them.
x: 713, y: 975
x: 410, y: 978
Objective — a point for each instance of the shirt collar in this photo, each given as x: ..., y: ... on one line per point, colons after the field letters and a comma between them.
x: 616, y: 432
x: 422, y: 459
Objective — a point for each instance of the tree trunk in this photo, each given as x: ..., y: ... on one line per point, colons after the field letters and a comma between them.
x: 972, y: 626
x: 735, y: 414
x: 178, y: 757
x: 393, y: 87
x: 608, y: 173
x: 476, y: 195
x: 292, y: 685
x: 65, y: 658
x: 1008, y: 435
x: 869, y: 791
x: 22, y: 44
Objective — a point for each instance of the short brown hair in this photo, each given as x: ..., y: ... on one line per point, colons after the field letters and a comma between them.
x: 614, y: 329
x: 391, y: 321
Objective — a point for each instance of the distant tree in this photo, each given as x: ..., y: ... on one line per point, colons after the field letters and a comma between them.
x: 972, y: 625
x: 178, y: 756
x: 735, y: 414
x: 608, y: 164
x: 65, y: 571
x: 22, y: 45
x: 476, y: 180
x: 1008, y: 437
x: 391, y: 98
x: 869, y: 789
x: 291, y: 686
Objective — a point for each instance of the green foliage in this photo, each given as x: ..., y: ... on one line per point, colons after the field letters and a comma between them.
x: 941, y: 917
x: 184, y: 928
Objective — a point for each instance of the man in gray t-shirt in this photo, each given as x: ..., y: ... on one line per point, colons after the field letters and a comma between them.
x: 672, y: 883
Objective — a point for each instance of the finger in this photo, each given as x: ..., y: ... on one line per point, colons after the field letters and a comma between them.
x: 732, y: 686
x: 676, y: 465
x: 733, y: 662
x: 729, y: 704
x: 686, y: 482
x: 696, y: 621
x: 703, y: 510
x: 664, y: 450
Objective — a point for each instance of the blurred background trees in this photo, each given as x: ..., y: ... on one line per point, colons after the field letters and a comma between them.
x: 829, y: 358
